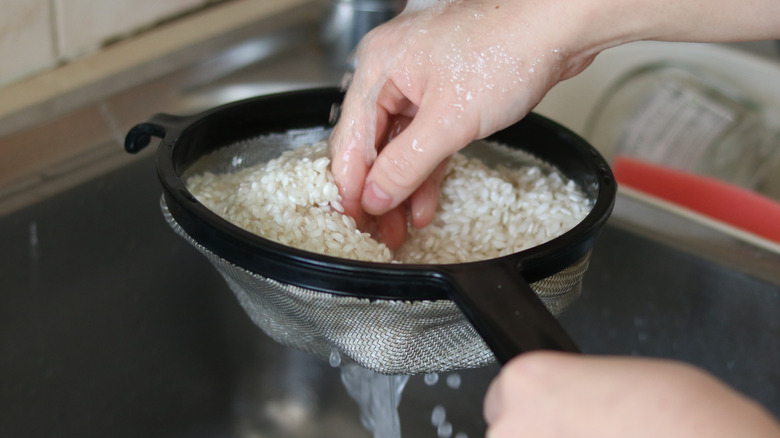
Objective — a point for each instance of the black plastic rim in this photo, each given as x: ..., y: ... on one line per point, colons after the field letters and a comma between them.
x: 185, y: 139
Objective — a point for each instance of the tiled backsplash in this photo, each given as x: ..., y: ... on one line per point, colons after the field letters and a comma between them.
x: 36, y: 35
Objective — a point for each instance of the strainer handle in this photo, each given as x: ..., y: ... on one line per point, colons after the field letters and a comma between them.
x: 159, y: 126
x: 506, y: 312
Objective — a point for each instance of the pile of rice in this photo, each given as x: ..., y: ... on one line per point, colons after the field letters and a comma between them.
x: 483, y: 213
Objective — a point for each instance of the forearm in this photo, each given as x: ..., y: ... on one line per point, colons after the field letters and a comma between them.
x: 462, y: 69
x: 621, y: 21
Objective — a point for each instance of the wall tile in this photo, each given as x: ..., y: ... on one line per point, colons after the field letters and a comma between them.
x: 26, y: 40
x: 83, y: 25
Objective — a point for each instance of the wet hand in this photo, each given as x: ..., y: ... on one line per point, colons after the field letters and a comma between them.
x: 429, y: 82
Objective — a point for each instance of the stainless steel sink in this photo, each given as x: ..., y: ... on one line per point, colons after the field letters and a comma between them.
x: 110, y: 325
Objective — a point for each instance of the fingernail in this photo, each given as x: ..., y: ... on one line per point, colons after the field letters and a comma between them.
x: 375, y: 200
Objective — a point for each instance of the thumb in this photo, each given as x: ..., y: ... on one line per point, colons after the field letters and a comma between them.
x: 406, y: 162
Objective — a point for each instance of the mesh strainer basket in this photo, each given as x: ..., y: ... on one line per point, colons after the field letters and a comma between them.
x: 390, y: 318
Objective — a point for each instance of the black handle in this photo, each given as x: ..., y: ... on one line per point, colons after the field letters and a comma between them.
x: 506, y: 312
x: 141, y: 135
x: 158, y: 125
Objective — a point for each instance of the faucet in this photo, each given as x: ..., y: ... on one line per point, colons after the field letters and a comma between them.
x: 347, y: 21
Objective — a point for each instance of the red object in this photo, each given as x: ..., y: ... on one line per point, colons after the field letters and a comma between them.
x: 727, y: 203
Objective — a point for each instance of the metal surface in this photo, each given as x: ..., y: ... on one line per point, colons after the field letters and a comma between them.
x: 111, y: 325
x: 347, y: 21
x: 278, y: 54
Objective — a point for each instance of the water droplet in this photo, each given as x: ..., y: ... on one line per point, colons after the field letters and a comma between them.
x: 444, y: 430
x: 439, y: 415
x: 453, y: 380
x: 335, y: 358
x: 431, y: 379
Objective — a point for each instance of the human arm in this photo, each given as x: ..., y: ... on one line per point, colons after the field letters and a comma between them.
x: 434, y: 80
x: 546, y: 394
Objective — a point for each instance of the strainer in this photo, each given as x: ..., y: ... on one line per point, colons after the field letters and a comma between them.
x: 390, y: 318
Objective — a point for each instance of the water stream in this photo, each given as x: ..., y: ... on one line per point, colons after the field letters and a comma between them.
x: 378, y: 397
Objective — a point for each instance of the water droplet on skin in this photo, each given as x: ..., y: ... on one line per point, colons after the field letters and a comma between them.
x: 409, y: 82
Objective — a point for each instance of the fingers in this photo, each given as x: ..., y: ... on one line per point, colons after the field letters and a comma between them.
x: 398, y: 132
x: 424, y: 200
x: 410, y: 158
x: 374, y: 111
x: 354, y: 138
x: 517, y: 395
x: 391, y: 227
x: 348, y: 149
x: 493, y: 404
x: 351, y: 159
x: 562, y: 394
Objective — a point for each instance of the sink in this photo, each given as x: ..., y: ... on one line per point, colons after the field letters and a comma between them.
x: 111, y: 325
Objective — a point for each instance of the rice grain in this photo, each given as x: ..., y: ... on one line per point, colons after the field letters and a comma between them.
x: 483, y: 213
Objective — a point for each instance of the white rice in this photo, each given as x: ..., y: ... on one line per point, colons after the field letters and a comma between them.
x: 483, y: 213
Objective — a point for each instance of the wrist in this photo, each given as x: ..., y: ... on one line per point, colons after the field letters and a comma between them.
x: 596, y: 25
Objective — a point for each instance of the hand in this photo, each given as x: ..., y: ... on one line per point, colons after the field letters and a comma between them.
x: 429, y: 82
x: 545, y: 394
